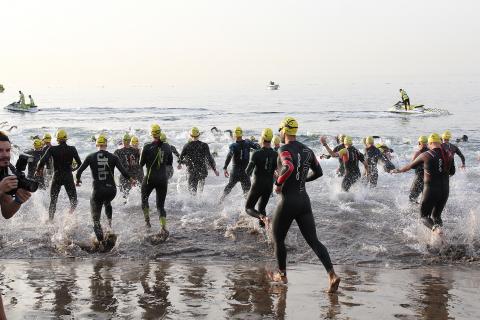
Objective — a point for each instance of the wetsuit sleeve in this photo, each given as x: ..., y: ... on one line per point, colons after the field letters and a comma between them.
x: 76, y: 157
x: 229, y: 157
x: 175, y: 151
x: 416, y: 154
x: 287, y: 167
x: 46, y: 156
x: 254, y: 145
x: 316, y: 170
x: 361, y: 157
x: 182, y: 154
x: 460, y: 154
x: 143, y: 156
x: 251, y: 165
x: 84, y: 166
x: 169, y: 159
x: 209, y: 157
x: 120, y: 168
x: 418, y: 161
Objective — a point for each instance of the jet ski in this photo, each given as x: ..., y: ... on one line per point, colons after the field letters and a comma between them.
x: 17, y: 107
x: 273, y: 86
x: 399, y: 107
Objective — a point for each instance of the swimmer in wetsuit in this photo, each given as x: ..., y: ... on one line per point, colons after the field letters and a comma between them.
x: 263, y: 164
x: 102, y: 164
x: 437, y: 164
x: 452, y: 149
x: 197, y: 158
x: 295, y: 161
x: 35, y: 155
x: 63, y: 156
x: 239, y: 152
x: 417, y: 186
x: 129, y: 158
x: 158, y: 159
x: 350, y: 157
x: 372, y: 155
x: 334, y: 153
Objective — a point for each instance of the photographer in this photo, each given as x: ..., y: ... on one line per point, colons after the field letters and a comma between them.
x: 9, y: 203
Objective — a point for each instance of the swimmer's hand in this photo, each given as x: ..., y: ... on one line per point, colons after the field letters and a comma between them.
x: 395, y: 171
x: 225, y: 173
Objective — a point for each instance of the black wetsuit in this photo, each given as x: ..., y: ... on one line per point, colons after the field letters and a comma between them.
x: 175, y: 151
x: 48, y: 173
x: 341, y: 165
x: 129, y: 158
x: 102, y: 164
x: 36, y: 155
x: 63, y: 156
x: 240, y: 153
x: 296, y: 160
x: 264, y: 161
x: 417, y: 184
x: 452, y: 149
x: 158, y: 159
x: 372, y: 155
x: 197, y: 158
x: 352, y: 171
x: 437, y: 171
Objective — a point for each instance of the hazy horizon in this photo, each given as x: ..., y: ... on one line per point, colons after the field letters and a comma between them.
x: 210, y: 42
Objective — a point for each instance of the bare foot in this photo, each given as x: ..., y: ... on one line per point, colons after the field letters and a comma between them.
x: 278, y: 276
x: 334, y: 282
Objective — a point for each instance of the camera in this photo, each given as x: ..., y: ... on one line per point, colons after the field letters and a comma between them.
x: 23, y: 182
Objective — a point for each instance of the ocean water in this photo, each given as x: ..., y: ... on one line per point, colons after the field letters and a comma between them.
x: 367, y: 226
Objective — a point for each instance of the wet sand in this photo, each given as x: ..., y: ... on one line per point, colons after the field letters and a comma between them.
x: 172, y: 289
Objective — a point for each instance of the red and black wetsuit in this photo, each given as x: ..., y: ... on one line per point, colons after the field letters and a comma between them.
x: 296, y: 160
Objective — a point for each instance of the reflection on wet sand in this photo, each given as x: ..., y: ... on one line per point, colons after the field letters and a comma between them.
x: 104, y: 289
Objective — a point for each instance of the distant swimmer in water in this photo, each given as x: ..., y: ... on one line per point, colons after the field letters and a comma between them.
x: 417, y: 186
x: 102, y: 164
x: 464, y: 138
x: 263, y: 164
x: 298, y: 165
x: 157, y: 158
x: 239, y: 154
x: 452, y: 149
x: 405, y: 99
x: 350, y: 157
x: 197, y: 158
x: 63, y: 156
x: 334, y: 153
x: 437, y: 164
x: 217, y: 131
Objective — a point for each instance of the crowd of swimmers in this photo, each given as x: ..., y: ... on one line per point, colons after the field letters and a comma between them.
x: 278, y: 163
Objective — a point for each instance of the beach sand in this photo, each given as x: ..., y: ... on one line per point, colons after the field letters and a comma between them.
x: 183, y: 289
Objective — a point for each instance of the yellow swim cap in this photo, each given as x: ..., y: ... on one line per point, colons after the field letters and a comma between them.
x: 47, y: 137
x: 267, y: 135
x: 276, y: 140
x: 126, y: 137
x: 37, y: 143
x: 369, y: 140
x: 347, y: 140
x: 238, y: 132
x: 447, y: 135
x: 134, y: 141
x: 423, y: 139
x: 101, y: 140
x: 434, y: 137
x: 194, y: 132
x: 163, y: 137
x: 62, y: 135
x: 289, y: 126
x: 155, y: 130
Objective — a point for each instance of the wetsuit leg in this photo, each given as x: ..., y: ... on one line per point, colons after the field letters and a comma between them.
x: 192, y: 183
x: 416, y: 188
x: 264, y: 198
x: 245, y: 183
x: 373, y: 178
x: 231, y: 184
x: 253, y: 195
x: 96, y: 211
x: 427, y: 205
x: 349, y: 180
x: 71, y: 191
x: 306, y: 223
x: 440, y: 205
x: 146, y: 191
x: 201, y: 184
x: 161, y: 189
x: 125, y: 186
x: 281, y: 223
x: 54, y: 191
